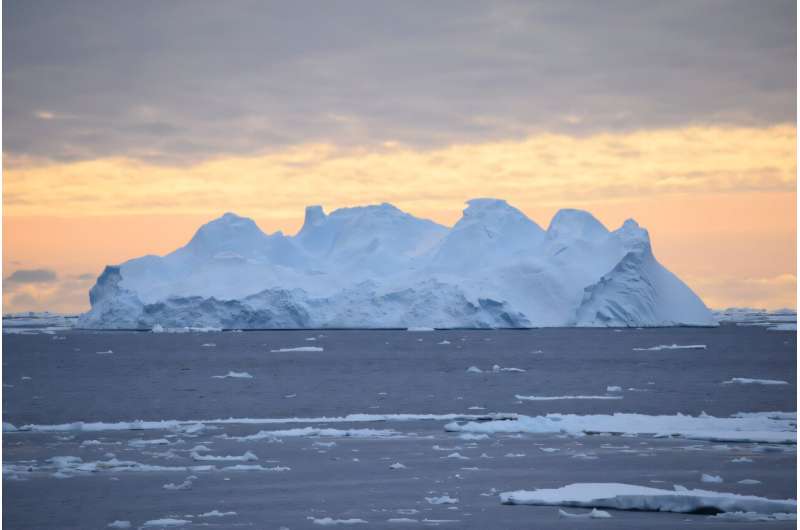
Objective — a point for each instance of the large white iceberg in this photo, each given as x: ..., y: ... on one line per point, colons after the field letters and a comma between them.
x: 376, y: 266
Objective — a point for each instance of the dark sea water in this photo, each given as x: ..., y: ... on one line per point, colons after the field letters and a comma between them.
x: 67, y: 377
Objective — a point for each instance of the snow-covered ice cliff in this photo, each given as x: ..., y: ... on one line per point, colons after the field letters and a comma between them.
x: 377, y: 266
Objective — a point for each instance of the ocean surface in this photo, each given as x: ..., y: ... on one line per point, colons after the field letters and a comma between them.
x: 321, y: 462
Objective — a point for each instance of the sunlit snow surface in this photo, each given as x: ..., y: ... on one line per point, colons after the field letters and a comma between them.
x: 390, y: 429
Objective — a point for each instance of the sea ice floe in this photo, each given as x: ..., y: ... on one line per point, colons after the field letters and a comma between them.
x: 741, y: 460
x: 613, y: 389
x: 216, y: 513
x: 642, y: 498
x: 559, y: 398
x: 673, y: 347
x: 594, y: 514
x: 754, y: 516
x: 329, y: 521
x: 193, y: 426
x: 749, y: 481
x: 316, y: 431
x: 166, y: 522
x: 710, y: 478
x: 233, y: 375
x: 444, y: 499
x: 397, y: 465
x: 748, y: 381
x: 247, y: 457
x: 755, y: 428
x: 119, y: 524
x: 298, y: 349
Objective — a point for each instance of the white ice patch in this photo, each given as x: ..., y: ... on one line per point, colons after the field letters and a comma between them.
x: 397, y: 465
x: 166, y: 522
x: 191, y: 426
x: 216, y: 513
x: 559, y: 398
x: 247, y: 457
x: 298, y: 349
x: 613, y: 389
x: 119, y: 524
x: 748, y: 381
x: 673, y: 347
x: 594, y: 514
x: 444, y: 499
x: 632, y: 497
x: 754, y: 516
x: 329, y: 521
x: 315, y: 431
x: 233, y: 375
x: 756, y: 428
x: 713, y: 479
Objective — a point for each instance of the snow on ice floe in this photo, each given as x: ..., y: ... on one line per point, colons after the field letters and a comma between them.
x: 559, y: 398
x: 713, y: 479
x: 753, y: 427
x: 748, y: 381
x: 673, y: 347
x: 444, y: 499
x: 233, y: 375
x: 298, y: 349
x: 642, y: 498
x: 192, y: 426
x: 594, y: 514
x: 247, y: 457
x: 378, y: 267
x: 216, y: 513
x: 165, y: 522
x: 329, y: 521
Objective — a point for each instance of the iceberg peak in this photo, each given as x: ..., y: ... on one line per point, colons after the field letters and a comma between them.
x: 569, y: 223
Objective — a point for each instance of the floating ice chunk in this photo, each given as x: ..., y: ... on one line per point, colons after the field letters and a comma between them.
x: 328, y: 521
x: 401, y: 520
x: 613, y: 389
x: 185, y: 485
x: 444, y: 499
x: 234, y: 375
x: 419, y: 328
x: 119, y: 524
x: 158, y: 328
x: 594, y: 514
x: 642, y: 498
x: 711, y: 478
x: 107, y: 352
x: 741, y: 460
x: 513, y: 455
x: 559, y: 398
x: 749, y: 481
x: 315, y: 431
x: 754, y: 516
x: 756, y: 428
x: 311, y: 339
x: 444, y: 342
x: 89, y: 443
x: 247, y: 457
x: 216, y: 513
x: 255, y: 467
x: 397, y: 465
x: 474, y: 370
x: 498, y: 368
x: 673, y: 347
x: 208, y: 345
x: 457, y: 456
x: 161, y: 523
x: 748, y: 381
x: 298, y: 349
x: 549, y: 449
x: 138, y: 442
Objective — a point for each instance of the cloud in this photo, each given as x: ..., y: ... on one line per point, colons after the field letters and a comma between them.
x: 183, y: 83
x: 27, y: 276
x: 543, y: 169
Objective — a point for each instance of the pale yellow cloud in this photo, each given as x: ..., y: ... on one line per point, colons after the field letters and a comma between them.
x: 547, y: 168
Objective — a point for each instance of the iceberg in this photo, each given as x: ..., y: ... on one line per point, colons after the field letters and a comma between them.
x: 379, y: 267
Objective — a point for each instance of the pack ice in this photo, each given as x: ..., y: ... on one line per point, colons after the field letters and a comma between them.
x: 377, y: 266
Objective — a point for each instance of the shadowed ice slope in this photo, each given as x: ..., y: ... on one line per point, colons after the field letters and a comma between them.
x: 376, y: 266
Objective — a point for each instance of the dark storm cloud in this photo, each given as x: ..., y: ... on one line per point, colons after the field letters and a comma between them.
x: 177, y: 81
x: 25, y: 276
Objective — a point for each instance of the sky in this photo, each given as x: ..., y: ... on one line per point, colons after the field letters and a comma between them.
x: 126, y: 125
